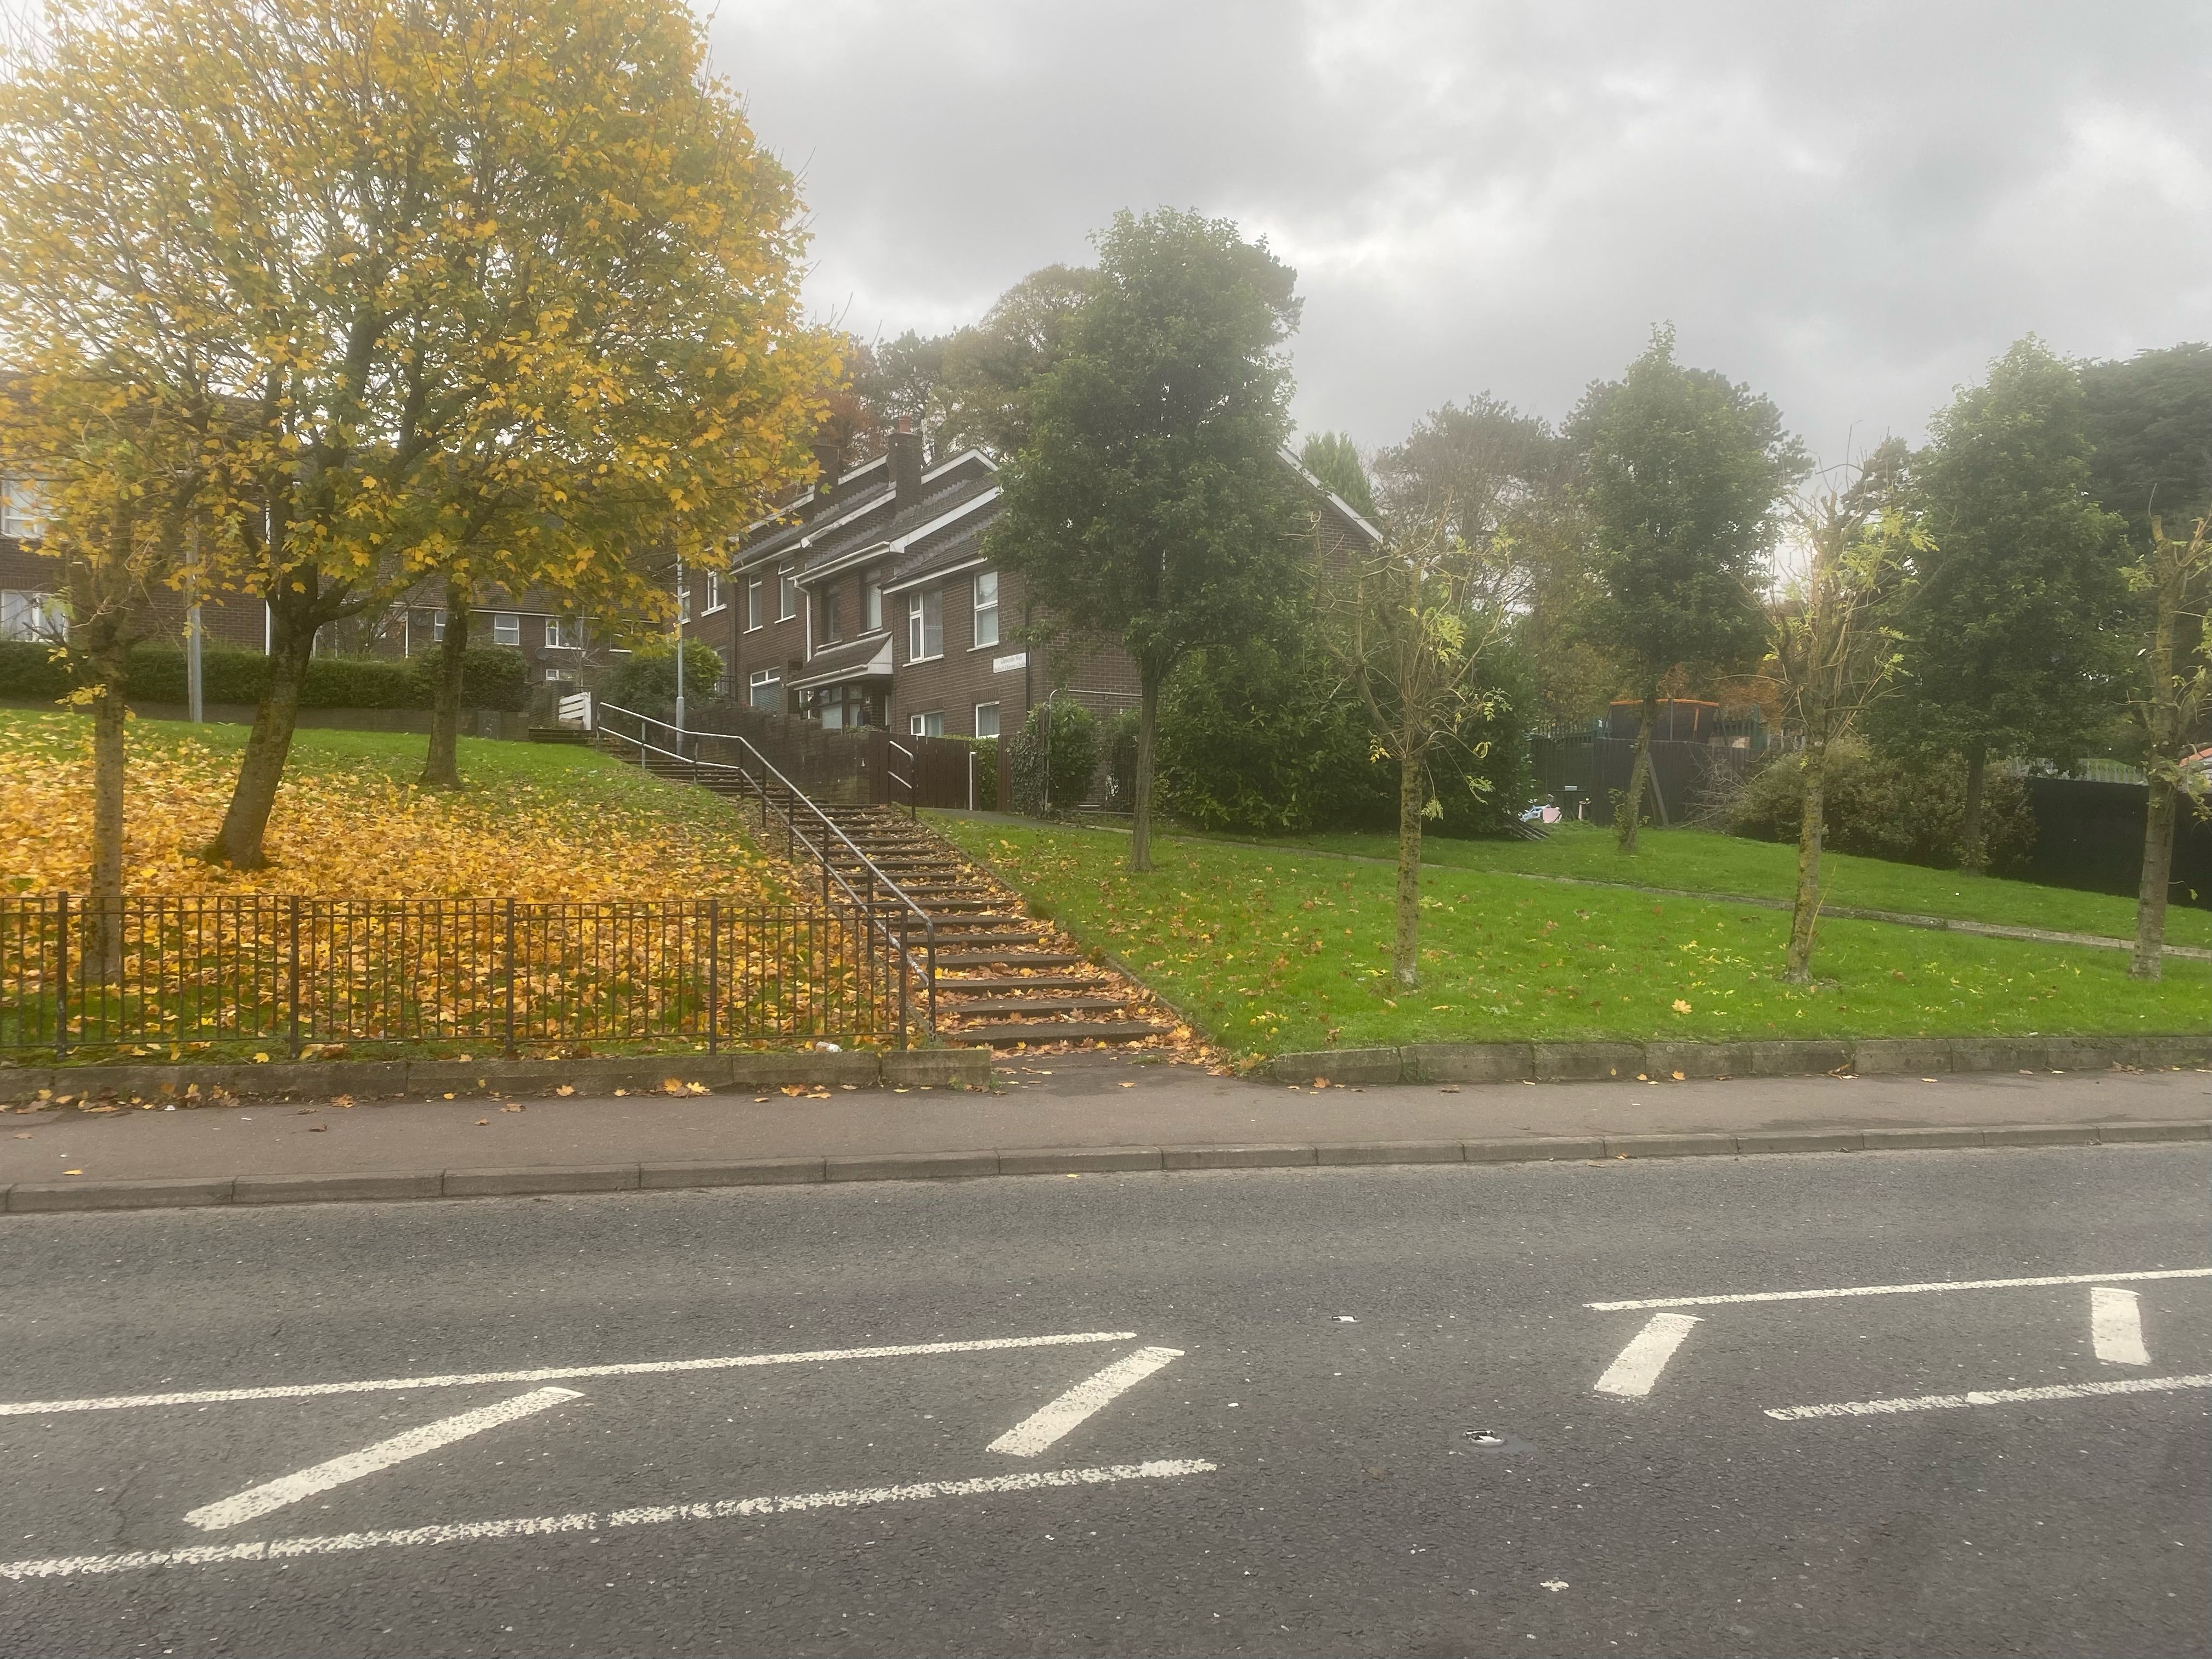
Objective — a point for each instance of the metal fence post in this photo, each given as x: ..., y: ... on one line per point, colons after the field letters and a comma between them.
x: 510, y: 979
x: 61, y: 974
x: 713, y: 979
x: 295, y: 976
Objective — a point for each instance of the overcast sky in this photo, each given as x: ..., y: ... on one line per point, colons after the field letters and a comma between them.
x: 1853, y: 207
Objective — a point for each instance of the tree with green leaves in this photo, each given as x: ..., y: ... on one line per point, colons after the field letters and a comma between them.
x: 1830, y: 653
x: 504, y: 288
x: 993, y: 366
x: 2150, y: 432
x: 1150, y: 502
x: 2173, y: 690
x: 1335, y: 459
x: 1684, y: 474
x: 1420, y: 617
x: 2013, y: 643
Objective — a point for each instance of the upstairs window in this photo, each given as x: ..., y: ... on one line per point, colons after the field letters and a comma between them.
x: 556, y: 636
x: 22, y: 509
x: 438, y: 626
x: 986, y: 608
x: 924, y: 625
x: 828, y: 629
x: 26, y: 615
x: 753, y: 605
x: 505, y: 628
x: 786, y: 594
x: 875, y: 601
x: 714, y: 591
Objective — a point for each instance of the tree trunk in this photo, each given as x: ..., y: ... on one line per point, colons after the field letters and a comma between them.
x: 2157, y: 872
x: 1972, y: 857
x: 1148, y: 726
x: 1806, y: 913
x: 1412, y: 796
x: 442, y: 767
x: 103, y: 947
x: 1630, y: 813
x: 238, y: 843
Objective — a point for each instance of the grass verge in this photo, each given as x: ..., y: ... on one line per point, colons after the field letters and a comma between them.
x: 1704, y: 862
x: 1269, y: 951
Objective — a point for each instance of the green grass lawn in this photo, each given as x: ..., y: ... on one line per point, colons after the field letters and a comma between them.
x: 1707, y: 862
x: 1271, y: 950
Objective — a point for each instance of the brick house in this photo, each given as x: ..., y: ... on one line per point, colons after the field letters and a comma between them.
x: 872, y: 603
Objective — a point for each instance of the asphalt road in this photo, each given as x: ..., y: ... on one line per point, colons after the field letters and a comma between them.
x: 1339, y: 1411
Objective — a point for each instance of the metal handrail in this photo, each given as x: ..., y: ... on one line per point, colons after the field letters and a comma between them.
x: 911, y: 779
x: 793, y: 834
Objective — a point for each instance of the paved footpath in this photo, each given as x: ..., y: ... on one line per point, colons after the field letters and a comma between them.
x: 1060, y: 1103
x: 1941, y: 1402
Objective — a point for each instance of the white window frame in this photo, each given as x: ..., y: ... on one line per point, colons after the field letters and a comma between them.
x: 28, y: 614
x: 787, y: 592
x: 871, y: 583
x: 762, y: 680
x: 982, y: 610
x: 22, y: 509
x: 506, y: 628
x: 755, y: 606
x: 917, y: 725
x: 714, y: 591
x: 827, y: 612
x: 556, y: 637
x: 993, y: 707
x: 438, y: 627
x: 919, y: 605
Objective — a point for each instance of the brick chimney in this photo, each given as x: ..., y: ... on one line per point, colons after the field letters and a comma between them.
x: 906, y: 463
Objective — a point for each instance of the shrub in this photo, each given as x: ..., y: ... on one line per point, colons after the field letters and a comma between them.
x: 1121, y: 759
x: 986, y: 751
x: 29, y: 671
x: 1884, y: 807
x: 645, y: 680
x: 492, y: 676
x: 1054, y: 758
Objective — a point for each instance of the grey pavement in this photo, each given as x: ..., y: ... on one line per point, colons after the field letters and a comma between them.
x: 1341, y: 1411
x: 1067, y: 1101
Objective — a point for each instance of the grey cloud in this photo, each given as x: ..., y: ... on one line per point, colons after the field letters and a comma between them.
x: 1853, y: 207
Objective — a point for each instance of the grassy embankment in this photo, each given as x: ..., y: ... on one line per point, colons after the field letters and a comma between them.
x: 1705, y: 862
x: 534, y: 822
x: 1273, y: 950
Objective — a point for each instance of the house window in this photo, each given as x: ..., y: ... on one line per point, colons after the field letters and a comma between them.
x: 986, y: 608
x: 683, y: 604
x: 556, y: 636
x: 987, y: 720
x: 924, y: 625
x: 931, y: 725
x: 714, y: 591
x: 753, y: 618
x: 786, y: 594
x: 505, y: 628
x: 21, y: 509
x: 875, y: 590
x: 826, y: 624
x: 767, y: 689
x: 26, y: 615
x: 438, y: 626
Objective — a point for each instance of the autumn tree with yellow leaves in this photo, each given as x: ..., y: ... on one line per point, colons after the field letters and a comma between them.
x: 492, y: 291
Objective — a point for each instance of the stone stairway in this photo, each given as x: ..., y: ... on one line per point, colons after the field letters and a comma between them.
x: 1002, y: 978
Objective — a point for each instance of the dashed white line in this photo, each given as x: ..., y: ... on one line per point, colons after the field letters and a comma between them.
x: 1896, y: 1290
x: 2116, y: 1326
x: 1944, y: 1402
x: 257, y: 1501
x: 548, y: 1374
x: 1051, y: 1423
x: 1632, y: 1375
x: 292, y: 1549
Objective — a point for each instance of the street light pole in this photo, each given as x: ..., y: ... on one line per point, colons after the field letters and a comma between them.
x: 196, y: 708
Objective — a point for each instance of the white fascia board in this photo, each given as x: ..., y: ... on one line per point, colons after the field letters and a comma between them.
x: 1334, y: 500
x: 953, y: 516
x: 989, y: 465
x: 929, y: 576
x: 747, y: 561
x: 875, y: 665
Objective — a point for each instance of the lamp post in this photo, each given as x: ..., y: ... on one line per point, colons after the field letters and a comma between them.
x: 680, y: 598
x: 196, y: 708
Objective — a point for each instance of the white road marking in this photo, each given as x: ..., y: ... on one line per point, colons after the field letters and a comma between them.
x: 290, y: 1549
x: 1053, y: 1422
x: 1632, y: 1375
x: 256, y: 1501
x: 549, y: 1373
x: 2116, y: 1326
x: 1895, y: 1290
x: 1944, y: 1402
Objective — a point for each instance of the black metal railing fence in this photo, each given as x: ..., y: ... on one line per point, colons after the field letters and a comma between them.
x: 79, y: 973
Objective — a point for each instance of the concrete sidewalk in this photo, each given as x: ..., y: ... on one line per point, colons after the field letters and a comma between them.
x: 1149, y: 1112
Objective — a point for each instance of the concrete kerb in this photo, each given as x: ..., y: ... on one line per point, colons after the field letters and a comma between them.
x: 861, y: 1068
x: 1561, y: 1062
x: 48, y: 1197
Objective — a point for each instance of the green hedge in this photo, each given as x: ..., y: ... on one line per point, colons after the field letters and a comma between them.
x: 986, y: 751
x: 492, y: 676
